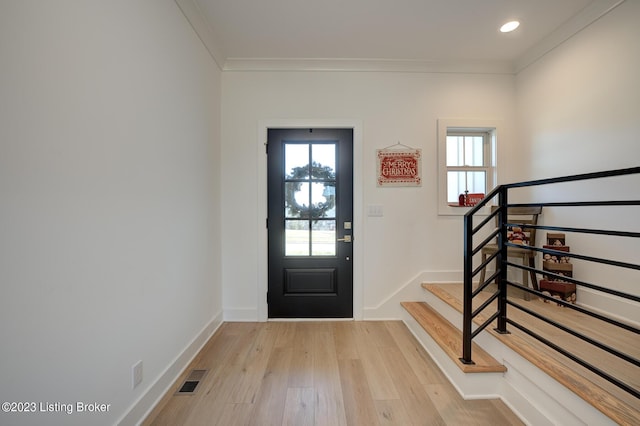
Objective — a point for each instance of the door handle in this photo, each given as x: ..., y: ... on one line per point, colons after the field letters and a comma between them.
x: 346, y: 239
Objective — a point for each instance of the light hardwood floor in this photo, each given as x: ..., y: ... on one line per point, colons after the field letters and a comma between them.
x: 321, y: 373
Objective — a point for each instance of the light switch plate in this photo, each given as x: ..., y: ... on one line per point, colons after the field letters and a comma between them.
x: 375, y: 210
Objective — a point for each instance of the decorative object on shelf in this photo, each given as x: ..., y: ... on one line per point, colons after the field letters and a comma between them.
x: 516, y: 235
x: 558, y: 265
x: 399, y: 165
x: 469, y: 200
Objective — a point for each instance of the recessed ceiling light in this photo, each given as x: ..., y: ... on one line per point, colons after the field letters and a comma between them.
x: 509, y: 26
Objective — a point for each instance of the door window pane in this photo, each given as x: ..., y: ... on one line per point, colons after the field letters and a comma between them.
x: 323, y: 199
x: 296, y: 236
x: 324, y: 156
x: 296, y: 200
x: 310, y: 199
x: 323, y: 238
x: 296, y: 161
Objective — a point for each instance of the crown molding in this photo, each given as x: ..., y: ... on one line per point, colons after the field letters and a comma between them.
x: 195, y: 17
x: 366, y: 65
x: 587, y: 16
x: 591, y: 13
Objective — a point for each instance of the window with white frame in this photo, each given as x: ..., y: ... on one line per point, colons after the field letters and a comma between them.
x: 466, y: 163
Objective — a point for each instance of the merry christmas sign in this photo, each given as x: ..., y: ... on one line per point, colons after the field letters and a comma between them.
x: 399, y: 167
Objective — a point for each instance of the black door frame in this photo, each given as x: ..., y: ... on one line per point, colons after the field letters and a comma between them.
x: 358, y: 208
x: 320, y: 285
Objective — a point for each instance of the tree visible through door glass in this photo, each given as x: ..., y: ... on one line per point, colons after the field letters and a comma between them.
x: 310, y: 199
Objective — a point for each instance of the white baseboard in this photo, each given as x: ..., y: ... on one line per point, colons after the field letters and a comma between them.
x: 241, y: 315
x: 140, y: 409
x: 390, y: 309
x: 616, y: 307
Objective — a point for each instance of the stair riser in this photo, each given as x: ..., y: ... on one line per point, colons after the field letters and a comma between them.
x: 469, y: 385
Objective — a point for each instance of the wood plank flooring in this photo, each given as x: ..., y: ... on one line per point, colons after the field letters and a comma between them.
x: 321, y: 373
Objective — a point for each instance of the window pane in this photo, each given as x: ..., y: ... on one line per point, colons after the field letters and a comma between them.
x: 459, y: 182
x: 476, y: 182
x: 324, y: 161
x: 323, y: 238
x: 455, y: 186
x: 296, y: 161
x: 323, y: 198
x: 296, y: 235
x: 473, y: 151
x: 455, y: 151
x: 296, y: 199
x: 465, y: 151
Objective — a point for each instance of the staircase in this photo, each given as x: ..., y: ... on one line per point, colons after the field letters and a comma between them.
x: 449, y: 338
x: 539, y: 386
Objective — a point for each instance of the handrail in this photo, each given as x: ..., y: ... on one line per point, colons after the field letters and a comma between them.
x: 575, y: 178
x: 502, y: 264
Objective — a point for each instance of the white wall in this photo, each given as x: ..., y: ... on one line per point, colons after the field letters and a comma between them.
x: 578, y: 112
x: 109, y: 211
x: 410, y: 238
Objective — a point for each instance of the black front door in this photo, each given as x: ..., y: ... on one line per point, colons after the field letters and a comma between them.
x: 310, y: 207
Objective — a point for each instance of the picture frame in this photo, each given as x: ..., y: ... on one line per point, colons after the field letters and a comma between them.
x: 399, y: 167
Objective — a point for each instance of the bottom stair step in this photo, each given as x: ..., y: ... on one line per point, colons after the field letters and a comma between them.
x: 449, y: 338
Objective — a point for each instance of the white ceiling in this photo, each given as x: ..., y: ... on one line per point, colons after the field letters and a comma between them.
x: 434, y: 31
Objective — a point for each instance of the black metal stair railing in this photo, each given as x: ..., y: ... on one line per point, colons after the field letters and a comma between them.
x: 501, y: 314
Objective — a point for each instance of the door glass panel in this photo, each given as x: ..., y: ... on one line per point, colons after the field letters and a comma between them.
x: 323, y: 238
x: 296, y: 199
x: 296, y: 236
x: 323, y: 199
x: 310, y: 199
x: 324, y: 156
x: 296, y: 163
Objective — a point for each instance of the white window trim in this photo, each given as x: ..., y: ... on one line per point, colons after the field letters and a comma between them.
x: 491, y: 126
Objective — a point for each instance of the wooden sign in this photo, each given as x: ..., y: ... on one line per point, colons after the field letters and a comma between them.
x: 470, y: 200
x: 399, y: 167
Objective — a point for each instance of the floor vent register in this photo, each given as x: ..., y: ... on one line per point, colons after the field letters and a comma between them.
x: 191, y: 383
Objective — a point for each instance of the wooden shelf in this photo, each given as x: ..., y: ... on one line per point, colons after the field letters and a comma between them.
x: 554, y: 266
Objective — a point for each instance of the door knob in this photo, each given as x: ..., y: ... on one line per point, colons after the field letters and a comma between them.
x: 346, y: 239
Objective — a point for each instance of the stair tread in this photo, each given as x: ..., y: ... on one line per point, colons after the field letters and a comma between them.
x: 623, y: 412
x: 449, y: 338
